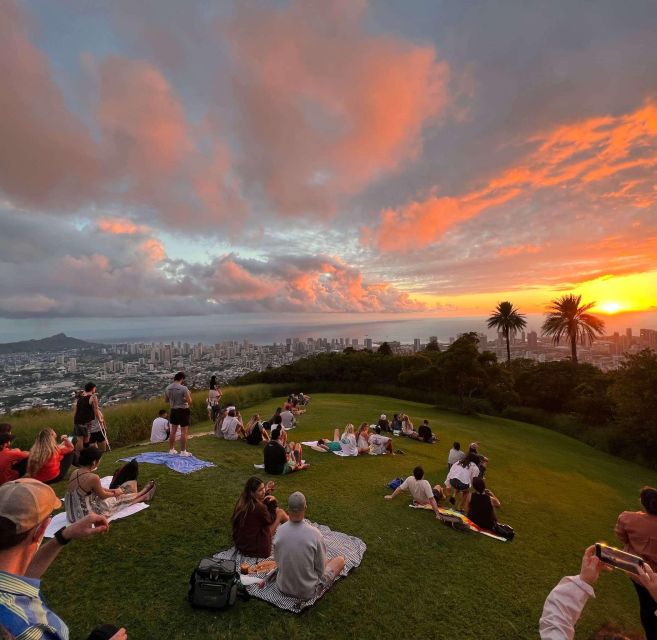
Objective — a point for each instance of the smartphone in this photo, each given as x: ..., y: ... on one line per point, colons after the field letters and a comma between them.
x: 619, y: 558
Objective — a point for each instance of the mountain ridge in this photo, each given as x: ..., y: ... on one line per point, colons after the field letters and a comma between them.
x: 57, y: 342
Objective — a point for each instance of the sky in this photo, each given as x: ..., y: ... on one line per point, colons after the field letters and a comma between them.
x: 325, y: 158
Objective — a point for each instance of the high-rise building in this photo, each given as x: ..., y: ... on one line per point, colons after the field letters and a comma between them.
x: 368, y: 343
x: 72, y: 365
x: 433, y: 338
x: 532, y: 340
x: 417, y: 345
x: 354, y: 342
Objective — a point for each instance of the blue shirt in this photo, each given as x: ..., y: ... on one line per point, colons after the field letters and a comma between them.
x: 24, y: 612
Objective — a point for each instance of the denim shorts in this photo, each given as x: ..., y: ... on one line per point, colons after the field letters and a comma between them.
x: 458, y: 485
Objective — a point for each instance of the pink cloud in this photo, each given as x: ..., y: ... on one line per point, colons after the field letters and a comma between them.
x: 590, y: 158
x: 120, y: 226
x: 326, y: 108
x: 46, y: 155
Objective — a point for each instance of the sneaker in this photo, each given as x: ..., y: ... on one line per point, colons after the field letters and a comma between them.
x: 173, y: 452
x: 185, y: 454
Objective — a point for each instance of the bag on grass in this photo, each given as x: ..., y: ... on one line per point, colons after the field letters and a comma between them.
x: 504, y: 530
x: 396, y: 483
x: 129, y: 471
x: 214, y: 584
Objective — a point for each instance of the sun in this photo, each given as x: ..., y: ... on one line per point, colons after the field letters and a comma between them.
x: 610, y: 307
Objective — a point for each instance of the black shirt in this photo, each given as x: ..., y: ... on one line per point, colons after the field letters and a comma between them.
x: 255, y: 435
x: 481, y: 511
x: 84, y: 411
x: 275, y: 458
x: 425, y: 433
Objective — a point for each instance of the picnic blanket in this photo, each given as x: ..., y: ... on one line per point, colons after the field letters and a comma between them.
x: 452, y: 513
x: 60, y: 520
x: 337, y: 544
x: 181, y: 464
x: 262, y: 466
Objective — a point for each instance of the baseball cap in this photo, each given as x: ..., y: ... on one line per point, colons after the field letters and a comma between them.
x: 5, y: 438
x: 27, y: 502
x: 296, y: 502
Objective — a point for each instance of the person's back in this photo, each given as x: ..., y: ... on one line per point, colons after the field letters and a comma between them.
x: 177, y: 395
x: 425, y: 433
x: 300, y: 554
x: 160, y: 429
x: 255, y: 434
x: 229, y: 427
x: 287, y: 419
x: 8, y: 458
x: 348, y: 444
x: 274, y: 457
x: 481, y: 511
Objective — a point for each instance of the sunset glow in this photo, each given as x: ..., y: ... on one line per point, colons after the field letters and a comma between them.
x: 327, y: 158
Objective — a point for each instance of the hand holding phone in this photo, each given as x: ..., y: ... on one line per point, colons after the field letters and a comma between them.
x: 618, y: 558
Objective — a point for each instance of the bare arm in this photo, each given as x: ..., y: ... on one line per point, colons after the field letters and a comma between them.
x: 88, y: 526
x: 395, y: 493
x: 96, y: 408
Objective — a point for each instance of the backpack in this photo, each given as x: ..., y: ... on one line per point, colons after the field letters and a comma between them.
x: 394, y: 484
x: 129, y: 471
x: 214, y: 584
x: 504, y: 530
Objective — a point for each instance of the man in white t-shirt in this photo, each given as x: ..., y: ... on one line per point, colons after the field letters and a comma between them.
x: 160, y: 428
x: 420, y: 490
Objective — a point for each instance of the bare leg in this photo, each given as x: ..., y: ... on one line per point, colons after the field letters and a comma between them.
x: 172, y: 436
x: 336, y: 435
x: 183, y: 438
x: 281, y: 517
x: 389, y: 447
x: 335, y: 565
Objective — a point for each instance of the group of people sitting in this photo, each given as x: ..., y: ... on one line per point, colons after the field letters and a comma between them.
x: 359, y: 442
x: 230, y: 425
x: 261, y: 527
x: 402, y: 425
x: 297, y: 403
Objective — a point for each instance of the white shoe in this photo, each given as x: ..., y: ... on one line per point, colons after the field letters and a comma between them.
x: 173, y: 452
x: 186, y: 454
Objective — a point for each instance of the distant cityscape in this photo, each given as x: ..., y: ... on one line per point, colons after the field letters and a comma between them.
x: 125, y: 371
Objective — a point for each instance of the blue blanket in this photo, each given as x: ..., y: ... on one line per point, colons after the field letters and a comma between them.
x: 181, y: 464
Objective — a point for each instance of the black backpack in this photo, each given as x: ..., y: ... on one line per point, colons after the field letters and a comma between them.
x: 214, y: 584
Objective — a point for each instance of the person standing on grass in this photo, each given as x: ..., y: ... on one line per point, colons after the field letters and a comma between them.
x: 86, y: 410
x: 26, y: 506
x: 300, y: 554
x: 180, y: 399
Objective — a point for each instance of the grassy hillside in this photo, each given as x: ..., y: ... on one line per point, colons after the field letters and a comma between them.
x: 418, y: 578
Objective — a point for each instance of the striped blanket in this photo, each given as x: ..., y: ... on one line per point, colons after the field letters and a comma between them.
x: 337, y: 544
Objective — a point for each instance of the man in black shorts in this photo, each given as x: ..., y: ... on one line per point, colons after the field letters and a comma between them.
x: 179, y: 398
x: 86, y: 412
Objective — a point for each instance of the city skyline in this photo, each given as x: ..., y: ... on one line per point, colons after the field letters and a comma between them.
x: 323, y: 163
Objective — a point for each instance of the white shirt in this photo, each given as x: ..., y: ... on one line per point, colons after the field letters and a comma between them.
x: 348, y: 444
x: 420, y: 489
x: 229, y: 427
x: 159, y: 430
x: 378, y: 443
x: 455, y: 455
x: 563, y: 608
x: 464, y: 474
x: 287, y: 418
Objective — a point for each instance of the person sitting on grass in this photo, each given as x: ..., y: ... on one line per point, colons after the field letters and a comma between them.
x: 378, y: 444
x: 255, y: 432
x: 26, y: 506
x: 85, y: 494
x: 565, y: 603
x: 232, y: 426
x: 49, y: 461
x: 348, y: 441
x: 482, y: 506
x: 160, y: 427
x: 455, y: 455
x: 277, y: 460
x: 459, y: 480
x: 407, y: 427
x: 425, y: 434
x: 300, y: 554
x: 483, y: 460
x: 361, y: 439
x: 223, y: 414
x: 383, y: 424
x: 287, y: 419
x: 420, y: 490
x: 396, y: 423
x: 255, y: 519
x: 12, y: 461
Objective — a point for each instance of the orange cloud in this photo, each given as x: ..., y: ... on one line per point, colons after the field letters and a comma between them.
x: 326, y: 107
x: 120, y: 226
x: 514, y: 251
x: 587, y: 158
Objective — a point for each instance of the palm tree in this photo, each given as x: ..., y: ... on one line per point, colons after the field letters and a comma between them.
x: 566, y: 318
x: 508, y: 320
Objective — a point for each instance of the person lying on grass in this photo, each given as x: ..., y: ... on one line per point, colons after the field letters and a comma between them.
x: 459, y: 480
x: 255, y: 432
x: 300, y: 554
x: 378, y: 444
x: 26, y: 506
x: 420, y: 490
x: 85, y: 494
x: 565, y: 603
x: 330, y: 445
x: 255, y: 519
x: 279, y: 461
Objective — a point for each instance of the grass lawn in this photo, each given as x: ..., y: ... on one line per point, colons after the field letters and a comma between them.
x: 418, y: 578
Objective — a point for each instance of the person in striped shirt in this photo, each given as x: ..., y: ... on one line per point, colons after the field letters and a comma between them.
x: 26, y: 506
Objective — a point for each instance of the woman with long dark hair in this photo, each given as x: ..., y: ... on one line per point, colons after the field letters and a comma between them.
x: 255, y: 519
